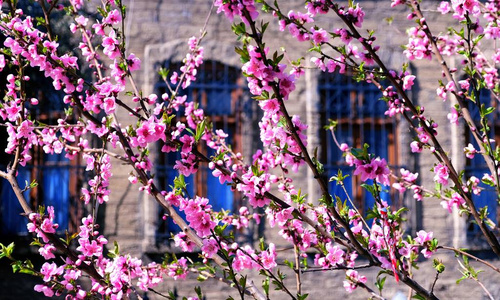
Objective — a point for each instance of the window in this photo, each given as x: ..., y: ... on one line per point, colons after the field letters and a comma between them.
x: 220, y: 92
x: 357, y: 108
x: 59, y: 179
x: 477, y: 167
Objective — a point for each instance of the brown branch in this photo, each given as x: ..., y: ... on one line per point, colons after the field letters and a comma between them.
x: 470, y: 256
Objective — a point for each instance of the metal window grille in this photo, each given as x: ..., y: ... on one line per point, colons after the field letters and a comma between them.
x: 359, y: 111
x: 219, y: 90
x: 59, y: 182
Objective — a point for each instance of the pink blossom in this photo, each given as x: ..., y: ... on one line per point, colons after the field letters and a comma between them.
x: 178, y: 269
x: 268, y: 257
x: 376, y: 169
x: 114, y: 17
x: 344, y: 147
x: 453, y: 116
x: 473, y: 182
x: 134, y: 63
x: 182, y: 241
x: 47, y: 251
x: 464, y: 84
x: 456, y: 201
x: 470, y: 151
x: 209, y: 248
x: 50, y: 270
x: 416, y: 147
x: 353, y: 278
x: 47, y: 226
x: 441, y: 174
x: 444, y: 7
x: 47, y: 291
x: 450, y: 86
x: 395, y: 3
x: 2, y: 62
x: 399, y: 187
x: 408, y: 81
x: 319, y: 36
x: 335, y: 255
x: 423, y: 237
x: 441, y: 92
x: 408, y: 176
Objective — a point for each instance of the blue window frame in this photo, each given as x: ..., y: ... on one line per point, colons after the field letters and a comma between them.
x: 219, y: 90
x: 359, y: 111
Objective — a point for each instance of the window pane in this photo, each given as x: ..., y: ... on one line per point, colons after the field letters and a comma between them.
x: 359, y: 112
x: 218, y: 91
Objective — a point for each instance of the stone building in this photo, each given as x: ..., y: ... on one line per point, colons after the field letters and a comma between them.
x: 157, y: 32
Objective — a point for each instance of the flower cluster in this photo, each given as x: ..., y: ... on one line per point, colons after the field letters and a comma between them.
x: 375, y: 169
x: 197, y: 212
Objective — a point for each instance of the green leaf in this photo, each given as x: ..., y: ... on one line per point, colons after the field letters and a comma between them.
x: 163, y: 73
x: 180, y: 183
x: 372, y: 213
x: 239, y: 29
x: 487, y: 181
x: 289, y: 264
x: 27, y: 271
x: 278, y: 59
x: 6, y: 251
x: 264, y: 27
x: 115, y: 252
x: 40, y: 21
x: 198, y: 292
x: 380, y: 283
x: 299, y: 198
x: 302, y: 296
x: 489, y: 110
x: 243, y: 53
x: 319, y: 166
x: 200, y: 130
x: 316, y: 48
x: 243, y: 282
x: 262, y: 245
x: 438, y: 265
x: 265, y: 286
x: 340, y: 177
x: 370, y: 188
x: 16, y: 266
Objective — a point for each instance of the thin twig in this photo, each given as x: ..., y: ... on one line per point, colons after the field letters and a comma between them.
x: 297, y: 269
x: 470, y: 256
x: 320, y: 269
x: 484, y: 289
x: 434, y: 283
